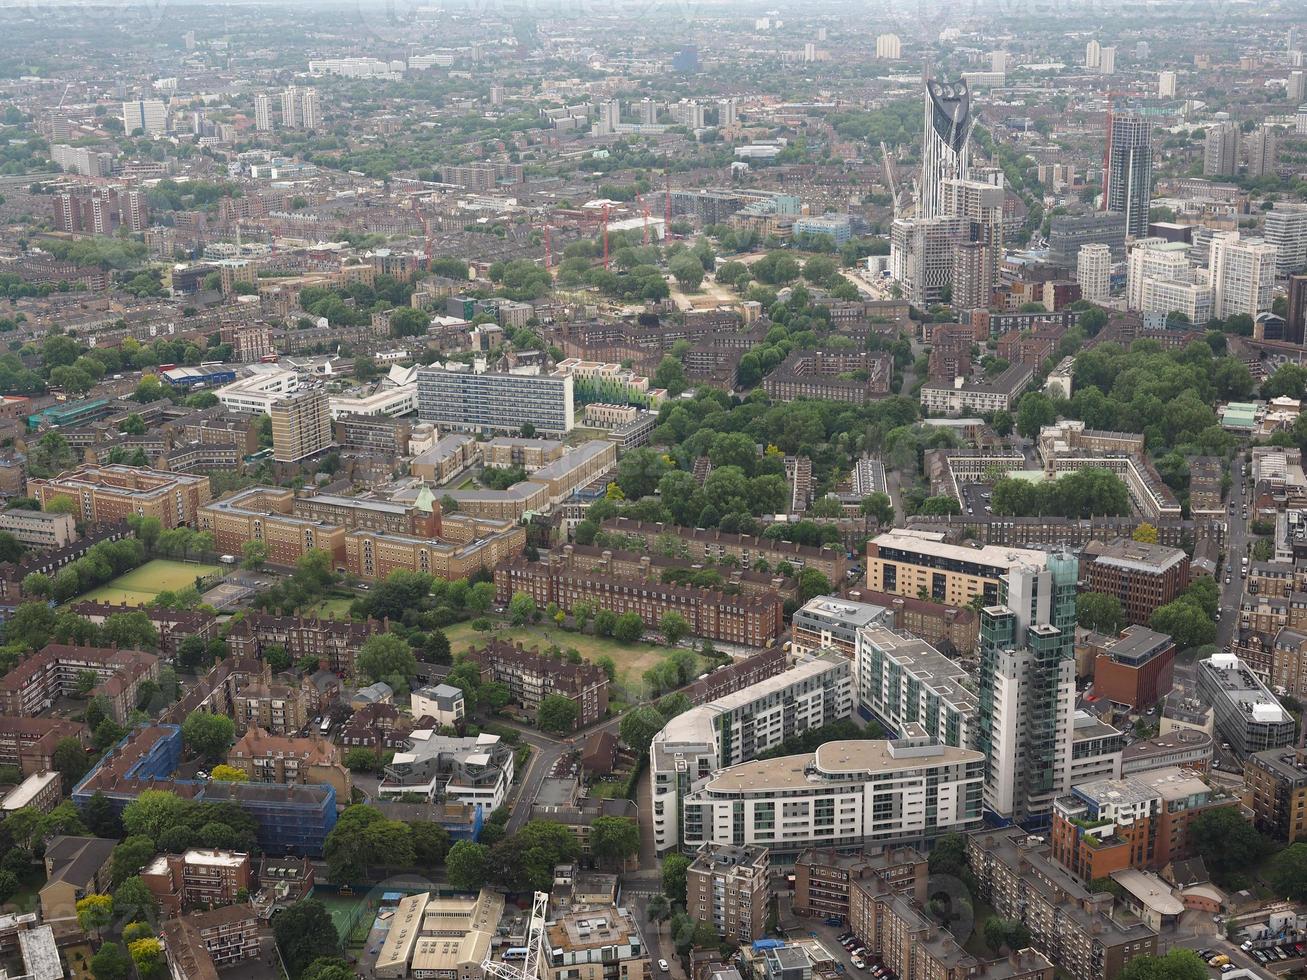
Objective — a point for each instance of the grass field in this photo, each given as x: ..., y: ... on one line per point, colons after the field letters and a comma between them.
x: 140, y: 585
x: 632, y: 659
x: 341, y: 908
x: 337, y: 606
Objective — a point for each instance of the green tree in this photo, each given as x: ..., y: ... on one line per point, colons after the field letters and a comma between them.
x: 208, y: 734
x: 94, y: 912
x: 134, y: 900
x: 70, y: 761
x: 557, y: 714
x: 304, y: 932
x: 1178, y: 964
x: 385, y: 657
x: 1034, y: 412
x: 363, y: 839
x: 521, y: 607
x: 147, y: 954
x: 1099, y: 611
x: 880, y: 507
x: 675, y: 868
x: 1226, y: 842
x: 253, y: 554
x: 328, y: 968
x: 1186, y: 622
x: 409, y: 322
x: 129, y: 857
x: 467, y: 865
x: 638, y: 727
x: 628, y: 628
x: 111, y: 962
x: 362, y: 760
x: 154, y: 811
x: 614, y: 839
x: 674, y: 627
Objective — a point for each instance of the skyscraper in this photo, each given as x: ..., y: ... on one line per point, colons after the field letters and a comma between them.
x: 948, y: 122
x: 727, y: 112
x: 1107, y: 61
x: 1286, y: 229
x: 1166, y: 85
x: 1130, y: 170
x: 1295, y: 326
x: 1221, y: 150
x: 310, y: 109
x: 1093, y: 55
x: 1094, y: 271
x: 290, y: 108
x: 1261, y: 145
x: 1028, y: 687
x: 262, y: 113
x: 301, y: 425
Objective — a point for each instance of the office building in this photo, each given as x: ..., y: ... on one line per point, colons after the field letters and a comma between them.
x: 1243, y: 275
x: 729, y: 886
x: 948, y: 123
x: 913, y: 563
x: 903, y: 681
x: 255, y: 394
x: 1221, y: 150
x: 736, y: 727
x: 1139, y: 822
x: 262, y: 113
x: 1026, y: 725
x: 301, y: 426
x: 495, y: 402
x: 150, y: 116
x: 1247, y: 716
x: 1286, y: 229
x: 1094, y: 272
x: 845, y: 794
x: 1068, y: 233
x: 1069, y: 922
x: 1130, y: 170
x: 1134, y: 668
x: 1141, y: 576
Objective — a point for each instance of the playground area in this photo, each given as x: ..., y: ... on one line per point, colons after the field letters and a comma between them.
x: 139, y: 586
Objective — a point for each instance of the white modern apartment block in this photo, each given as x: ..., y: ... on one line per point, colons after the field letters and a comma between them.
x: 255, y: 394
x: 310, y: 109
x: 888, y: 47
x: 1165, y: 296
x: 1154, y: 258
x: 1107, y: 61
x: 1286, y: 229
x: 147, y: 115
x: 1094, y: 272
x: 1093, y: 54
x: 290, y: 107
x: 1243, y: 275
x: 469, y: 402
x: 737, y: 727
x: 845, y: 794
x: 1166, y: 85
x: 903, y: 680
x: 476, y: 770
x: 394, y: 401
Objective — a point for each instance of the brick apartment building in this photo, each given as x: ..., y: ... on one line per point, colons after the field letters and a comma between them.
x: 108, y: 494
x: 729, y: 886
x: 754, y: 621
x: 29, y: 743
x: 531, y: 677
x: 333, y: 643
x: 713, y: 545
x: 198, y: 878
x: 288, y: 761
x: 35, y: 683
x: 1277, y: 792
x: 824, y: 879
x: 199, y: 944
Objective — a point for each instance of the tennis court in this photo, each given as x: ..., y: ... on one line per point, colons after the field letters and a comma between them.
x: 139, y: 586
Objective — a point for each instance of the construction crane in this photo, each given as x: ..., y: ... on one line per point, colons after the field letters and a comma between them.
x: 429, y: 243
x: 889, y: 177
x: 535, y: 942
x: 549, y: 255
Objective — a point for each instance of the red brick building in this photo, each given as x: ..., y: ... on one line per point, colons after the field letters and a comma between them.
x: 1142, y: 576
x: 1135, y: 668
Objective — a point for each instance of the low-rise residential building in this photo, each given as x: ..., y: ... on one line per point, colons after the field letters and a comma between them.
x: 595, y: 944
x: 960, y: 395
x: 845, y: 794
x: 29, y: 743
x: 41, y: 791
x: 1138, y: 822
x: 269, y: 758
x: 198, y: 945
x: 1277, y: 788
x: 34, y: 684
x: 74, y: 868
x: 1016, y: 874
x: 446, y: 769
x: 729, y: 886
x: 197, y: 878
x: 39, y: 528
x: 442, y: 703
x: 334, y: 643
x: 824, y: 878
x: 531, y: 677
x: 832, y: 622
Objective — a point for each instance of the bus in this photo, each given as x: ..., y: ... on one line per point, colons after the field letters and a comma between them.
x: 325, y: 727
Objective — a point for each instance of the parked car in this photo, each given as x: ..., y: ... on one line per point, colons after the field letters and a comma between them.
x: 1246, y: 945
x: 662, y: 965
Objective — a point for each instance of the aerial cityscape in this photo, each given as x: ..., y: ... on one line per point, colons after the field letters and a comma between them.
x: 661, y: 491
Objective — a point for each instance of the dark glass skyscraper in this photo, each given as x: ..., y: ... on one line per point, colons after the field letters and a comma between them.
x: 1130, y: 171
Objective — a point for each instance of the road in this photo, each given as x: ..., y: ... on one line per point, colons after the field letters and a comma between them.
x: 545, y: 752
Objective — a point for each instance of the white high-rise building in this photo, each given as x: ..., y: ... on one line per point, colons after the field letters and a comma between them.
x: 1300, y: 121
x: 310, y: 109
x: 727, y: 112
x: 1296, y: 85
x: 1166, y: 85
x: 1000, y: 61
x: 1107, y: 61
x: 1286, y: 229
x: 1242, y: 275
x: 1093, y: 55
x: 1094, y: 272
x: 290, y: 108
x: 1154, y: 258
x: 810, y: 52
x: 888, y: 47
x: 147, y: 115
x: 948, y: 123
x: 262, y: 113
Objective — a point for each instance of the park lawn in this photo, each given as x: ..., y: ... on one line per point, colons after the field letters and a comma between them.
x: 337, y: 606
x: 632, y: 659
x: 141, y: 585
